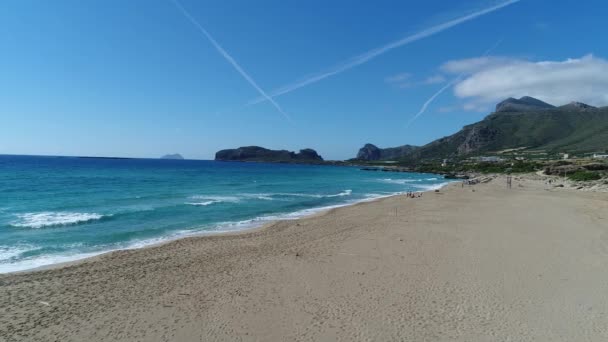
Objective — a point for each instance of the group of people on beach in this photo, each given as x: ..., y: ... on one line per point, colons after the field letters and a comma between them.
x: 414, y: 194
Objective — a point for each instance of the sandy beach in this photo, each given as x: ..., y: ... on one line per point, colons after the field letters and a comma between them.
x: 473, y: 263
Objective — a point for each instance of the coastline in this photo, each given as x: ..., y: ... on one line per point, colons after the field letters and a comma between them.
x: 251, y: 225
x: 471, y: 263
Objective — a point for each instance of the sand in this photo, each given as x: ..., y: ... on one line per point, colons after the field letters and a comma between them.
x: 481, y: 263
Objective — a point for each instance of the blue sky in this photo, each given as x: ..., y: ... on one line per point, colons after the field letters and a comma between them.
x: 136, y: 78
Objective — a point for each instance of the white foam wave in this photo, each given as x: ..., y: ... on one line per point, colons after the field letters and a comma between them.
x: 208, y: 200
x: 50, y: 219
x: 398, y: 181
x: 264, y: 197
x: 7, y: 253
x: 217, y: 198
x: 204, y: 204
x: 347, y: 192
x: 43, y: 260
x: 342, y: 194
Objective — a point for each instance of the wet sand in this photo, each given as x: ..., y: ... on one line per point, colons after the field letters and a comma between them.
x: 480, y: 263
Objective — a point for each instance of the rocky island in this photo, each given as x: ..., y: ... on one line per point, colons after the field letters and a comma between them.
x: 261, y: 154
x: 175, y: 156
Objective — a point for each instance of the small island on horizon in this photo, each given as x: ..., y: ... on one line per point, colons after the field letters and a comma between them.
x: 174, y: 156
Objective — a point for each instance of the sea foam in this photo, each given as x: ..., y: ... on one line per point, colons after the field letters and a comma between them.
x: 398, y: 181
x: 51, y: 219
x: 209, y: 200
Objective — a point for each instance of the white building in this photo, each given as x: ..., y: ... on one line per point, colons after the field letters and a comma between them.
x: 489, y: 159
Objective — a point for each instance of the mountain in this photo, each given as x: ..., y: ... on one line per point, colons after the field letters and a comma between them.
x: 577, y: 106
x: 172, y: 156
x: 260, y: 154
x: 372, y: 152
x: 526, y: 123
x: 524, y: 104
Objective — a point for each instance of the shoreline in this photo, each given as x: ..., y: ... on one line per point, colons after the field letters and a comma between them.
x: 250, y: 226
x: 474, y: 263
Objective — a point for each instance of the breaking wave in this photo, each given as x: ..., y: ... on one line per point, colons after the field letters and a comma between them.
x: 53, y: 219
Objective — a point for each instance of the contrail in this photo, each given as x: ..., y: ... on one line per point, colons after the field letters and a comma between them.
x: 432, y: 98
x: 365, y: 57
x: 445, y: 87
x: 229, y: 58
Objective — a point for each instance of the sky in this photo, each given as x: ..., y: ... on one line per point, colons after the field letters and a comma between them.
x: 143, y: 78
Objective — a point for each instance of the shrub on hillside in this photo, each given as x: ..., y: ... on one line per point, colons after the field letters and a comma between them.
x: 583, y: 176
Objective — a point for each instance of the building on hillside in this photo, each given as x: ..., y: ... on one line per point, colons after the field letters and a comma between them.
x: 600, y: 156
x: 488, y: 159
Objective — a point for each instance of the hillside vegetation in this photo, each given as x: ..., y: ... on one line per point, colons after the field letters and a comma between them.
x: 526, y: 124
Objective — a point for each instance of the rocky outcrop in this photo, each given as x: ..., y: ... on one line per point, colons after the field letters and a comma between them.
x: 524, y: 104
x: 308, y: 154
x: 175, y: 156
x: 477, y: 138
x: 260, y: 154
x: 370, y: 152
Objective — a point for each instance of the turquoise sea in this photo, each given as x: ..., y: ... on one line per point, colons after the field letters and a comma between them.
x: 58, y: 209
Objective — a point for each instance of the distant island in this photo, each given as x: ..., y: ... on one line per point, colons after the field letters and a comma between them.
x: 175, y: 156
x: 261, y: 154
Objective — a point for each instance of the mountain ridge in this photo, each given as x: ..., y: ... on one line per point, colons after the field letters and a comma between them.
x: 521, y: 123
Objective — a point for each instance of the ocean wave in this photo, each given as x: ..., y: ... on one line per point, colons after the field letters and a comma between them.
x: 44, y: 260
x: 202, y: 204
x: 263, y: 197
x: 51, y: 219
x: 217, y: 198
x: 398, y: 181
x: 347, y: 192
x: 8, y: 253
x: 208, y: 200
x: 212, y: 199
x: 343, y: 193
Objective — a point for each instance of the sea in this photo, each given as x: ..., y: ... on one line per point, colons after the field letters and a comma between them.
x: 61, y: 209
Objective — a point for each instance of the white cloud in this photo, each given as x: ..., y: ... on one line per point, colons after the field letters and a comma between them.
x: 398, y: 77
x: 404, y: 80
x: 492, y: 79
x: 435, y: 79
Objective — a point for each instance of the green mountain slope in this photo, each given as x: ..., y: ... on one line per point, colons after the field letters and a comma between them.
x: 573, y: 128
